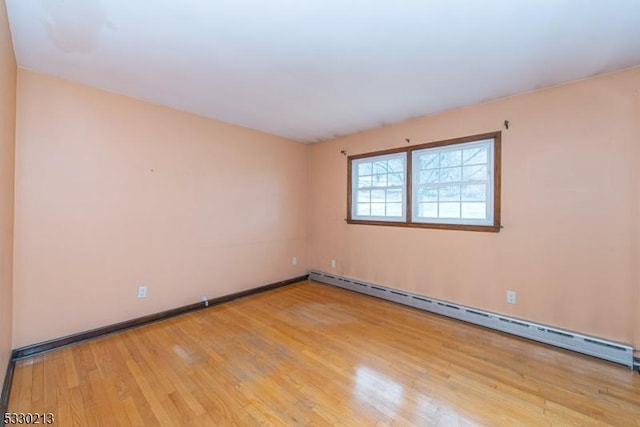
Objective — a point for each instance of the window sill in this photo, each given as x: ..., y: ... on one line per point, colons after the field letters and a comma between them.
x: 463, y: 227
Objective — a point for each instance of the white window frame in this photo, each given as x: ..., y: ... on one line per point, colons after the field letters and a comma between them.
x: 487, y: 182
x: 355, y: 188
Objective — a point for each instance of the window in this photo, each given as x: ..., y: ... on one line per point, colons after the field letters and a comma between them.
x: 452, y: 184
x: 448, y: 184
x: 379, y: 186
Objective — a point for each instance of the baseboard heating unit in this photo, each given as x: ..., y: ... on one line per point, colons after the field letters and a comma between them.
x: 592, y: 346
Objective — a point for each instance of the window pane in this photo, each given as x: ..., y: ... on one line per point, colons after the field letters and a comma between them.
x: 380, y: 167
x: 394, y: 209
x: 474, y: 210
x: 363, y: 209
x: 380, y: 180
x: 380, y: 190
x: 474, y: 173
x: 474, y: 192
x: 449, y: 210
x: 377, y: 196
x: 395, y: 179
x: 428, y: 210
x: 450, y: 158
x: 474, y: 156
x: 364, y: 169
x: 364, y: 181
x: 429, y: 161
x: 364, y: 196
x: 429, y: 176
x: 377, y: 209
x: 396, y: 165
x: 394, y: 195
x: 427, y: 194
x: 450, y: 174
x: 449, y: 194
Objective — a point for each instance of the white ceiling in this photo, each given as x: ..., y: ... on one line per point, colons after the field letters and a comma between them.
x: 311, y: 70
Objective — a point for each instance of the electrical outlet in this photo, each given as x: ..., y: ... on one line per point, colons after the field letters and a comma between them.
x: 142, y: 291
x: 511, y: 297
x: 333, y: 263
x: 294, y: 260
x: 205, y: 300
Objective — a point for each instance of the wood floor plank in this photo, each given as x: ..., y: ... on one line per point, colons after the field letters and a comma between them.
x: 37, y: 383
x: 311, y: 354
x: 20, y: 396
x: 78, y: 415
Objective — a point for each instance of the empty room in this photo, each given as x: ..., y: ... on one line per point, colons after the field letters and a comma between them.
x: 364, y: 213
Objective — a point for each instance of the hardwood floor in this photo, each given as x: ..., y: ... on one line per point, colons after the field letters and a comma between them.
x: 310, y: 354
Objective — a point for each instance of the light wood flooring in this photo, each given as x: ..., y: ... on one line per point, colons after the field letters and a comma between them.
x: 311, y: 354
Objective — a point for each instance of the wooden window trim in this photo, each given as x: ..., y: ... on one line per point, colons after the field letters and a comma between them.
x: 497, y: 178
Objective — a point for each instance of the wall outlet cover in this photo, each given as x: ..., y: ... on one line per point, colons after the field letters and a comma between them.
x: 142, y: 291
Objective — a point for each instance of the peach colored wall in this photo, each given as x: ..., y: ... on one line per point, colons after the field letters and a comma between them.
x: 113, y: 192
x: 570, y: 196
x: 7, y: 146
